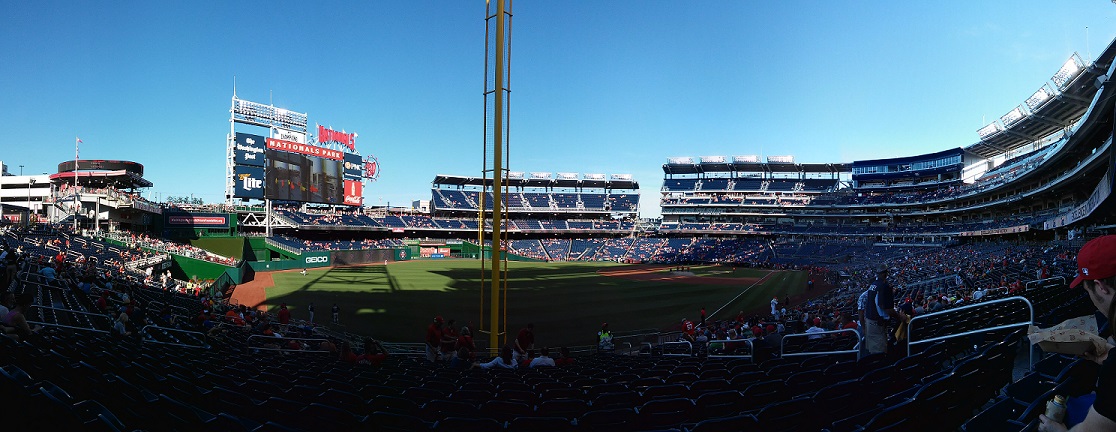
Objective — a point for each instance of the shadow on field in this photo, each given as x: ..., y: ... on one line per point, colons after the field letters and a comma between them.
x: 469, y: 279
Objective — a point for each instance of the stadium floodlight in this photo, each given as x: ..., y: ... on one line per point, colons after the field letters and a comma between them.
x: 515, y: 174
x: 746, y: 159
x: 681, y: 160
x: 1069, y: 71
x: 622, y: 177
x: 258, y: 114
x: 712, y: 159
x: 1044, y: 94
x: 788, y: 159
x: 567, y: 176
x: 594, y: 176
x: 1013, y: 116
x: 541, y: 175
x: 989, y: 130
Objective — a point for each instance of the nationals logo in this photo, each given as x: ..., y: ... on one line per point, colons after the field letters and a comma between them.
x: 326, y: 135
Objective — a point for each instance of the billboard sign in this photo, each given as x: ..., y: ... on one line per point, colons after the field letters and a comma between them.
x: 354, y: 190
x: 249, y: 149
x: 327, y: 135
x: 304, y: 149
x: 249, y: 182
x: 354, y: 167
x: 289, y: 135
x: 201, y: 220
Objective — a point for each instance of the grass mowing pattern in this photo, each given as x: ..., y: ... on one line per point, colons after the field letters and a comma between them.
x: 566, y: 301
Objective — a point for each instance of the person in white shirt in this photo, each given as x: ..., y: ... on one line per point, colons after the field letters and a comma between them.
x: 816, y: 328
x: 543, y: 359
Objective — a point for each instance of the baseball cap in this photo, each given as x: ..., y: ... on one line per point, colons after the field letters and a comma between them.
x: 881, y: 268
x: 438, y: 319
x: 1095, y: 260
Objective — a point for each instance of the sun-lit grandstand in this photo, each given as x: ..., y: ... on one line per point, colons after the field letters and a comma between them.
x: 296, y: 305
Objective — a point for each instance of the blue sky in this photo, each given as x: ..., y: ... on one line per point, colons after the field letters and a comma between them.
x: 602, y: 87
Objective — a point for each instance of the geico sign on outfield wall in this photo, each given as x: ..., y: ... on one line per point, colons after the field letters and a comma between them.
x: 317, y: 260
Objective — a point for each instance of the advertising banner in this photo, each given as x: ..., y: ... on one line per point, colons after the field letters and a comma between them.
x: 354, y: 190
x: 249, y: 182
x: 1099, y: 195
x: 249, y: 149
x: 316, y: 259
x: 354, y: 167
x: 309, y: 150
x: 202, y: 220
x: 289, y: 135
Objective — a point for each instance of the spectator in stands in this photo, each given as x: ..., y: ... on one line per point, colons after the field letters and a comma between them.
x: 815, y: 328
x: 465, y: 342
x: 48, y: 273
x: 120, y: 326
x: 543, y: 360
x: 879, y: 308
x: 310, y: 310
x: 5, y: 301
x: 1096, y: 273
x: 564, y: 358
x: 284, y: 314
x: 524, y: 341
x: 504, y: 361
x: 16, y: 319
x: 688, y: 331
x: 434, y: 340
x: 461, y: 360
x: 336, y: 314
x: 449, y: 340
x: 604, y: 339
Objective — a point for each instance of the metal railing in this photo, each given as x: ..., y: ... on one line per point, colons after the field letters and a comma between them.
x: 1024, y: 324
x: 1043, y: 283
x: 855, y: 350
x: 685, y: 346
x: 149, y: 337
x: 57, y: 324
x: 723, y: 344
x: 280, y: 343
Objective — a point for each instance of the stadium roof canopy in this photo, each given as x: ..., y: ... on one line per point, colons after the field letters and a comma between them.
x: 673, y: 167
x: 1051, y: 109
x: 449, y: 180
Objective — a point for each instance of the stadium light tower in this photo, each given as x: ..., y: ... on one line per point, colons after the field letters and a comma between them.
x: 497, y: 56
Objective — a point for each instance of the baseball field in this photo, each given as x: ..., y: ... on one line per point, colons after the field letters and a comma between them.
x: 567, y: 301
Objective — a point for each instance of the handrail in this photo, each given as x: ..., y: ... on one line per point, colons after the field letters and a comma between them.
x: 247, y: 343
x: 201, y: 336
x: 1039, y: 283
x: 854, y: 350
x: 46, y: 324
x: 722, y: 342
x: 689, y: 348
x: 1030, y: 308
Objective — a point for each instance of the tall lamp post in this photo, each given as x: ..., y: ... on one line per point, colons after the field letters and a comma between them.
x: 29, y: 184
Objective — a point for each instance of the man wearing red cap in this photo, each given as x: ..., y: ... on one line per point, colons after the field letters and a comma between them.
x: 1096, y: 273
x: 434, y: 340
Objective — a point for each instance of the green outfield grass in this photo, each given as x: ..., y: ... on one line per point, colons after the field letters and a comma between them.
x: 567, y: 302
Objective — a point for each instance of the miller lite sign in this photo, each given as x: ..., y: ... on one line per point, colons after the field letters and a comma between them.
x: 249, y: 182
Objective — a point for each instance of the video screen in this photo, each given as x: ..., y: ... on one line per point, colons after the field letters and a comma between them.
x: 295, y: 177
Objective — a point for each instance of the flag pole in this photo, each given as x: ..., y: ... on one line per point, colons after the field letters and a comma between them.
x: 77, y: 192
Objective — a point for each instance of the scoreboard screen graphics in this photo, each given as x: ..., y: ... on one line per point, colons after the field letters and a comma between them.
x: 296, y: 177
